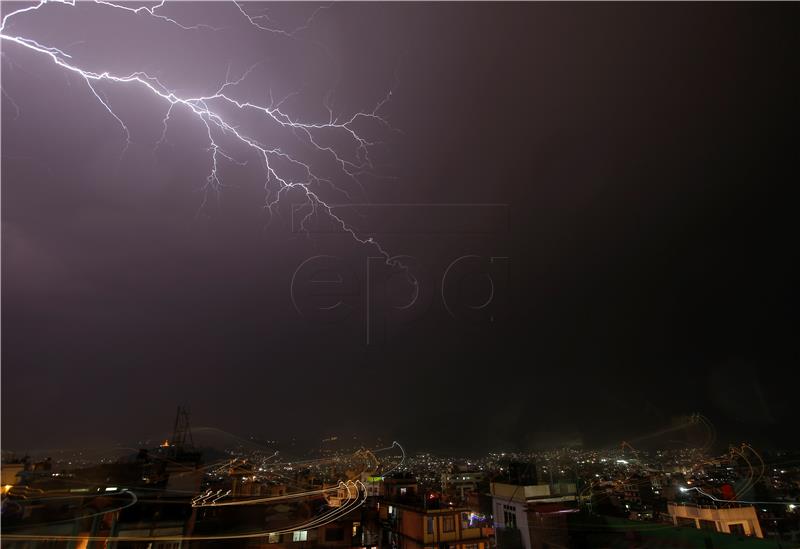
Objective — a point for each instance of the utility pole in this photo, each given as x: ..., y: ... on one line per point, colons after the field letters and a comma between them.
x: 182, y: 432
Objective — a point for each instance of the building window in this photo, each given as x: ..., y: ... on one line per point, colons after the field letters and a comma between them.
x: 471, y: 546
x: 708, y: 525
x: 356, y: 526
x: 300, y: 535
x: 737, y: 529
x: 403, y: 491
x: 509, y: 516
x: 429, y: 528
x: 448, y: 523
x: 274, y: 538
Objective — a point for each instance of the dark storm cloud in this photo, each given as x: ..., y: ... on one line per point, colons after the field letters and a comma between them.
x: 644, y: 152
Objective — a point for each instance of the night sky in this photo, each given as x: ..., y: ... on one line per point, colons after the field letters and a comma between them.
x: 635, y: 164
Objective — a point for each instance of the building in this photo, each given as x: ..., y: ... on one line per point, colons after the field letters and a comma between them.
x: 532, y: 516
x: 401, y: 487
x: 372, y: 484
x: 459, y: 484
x: 246, y: 482
x: 740, y: 520
x: 412, y: 527
x: 9, y: 475
x: 346, y: 531
x: 293, y: 523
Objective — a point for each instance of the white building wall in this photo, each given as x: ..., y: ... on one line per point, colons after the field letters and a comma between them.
x: 520, y: 515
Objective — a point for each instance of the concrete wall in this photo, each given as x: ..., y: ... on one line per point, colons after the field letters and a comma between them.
x: 722, y: 518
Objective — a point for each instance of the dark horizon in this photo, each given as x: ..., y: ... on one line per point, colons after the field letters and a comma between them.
x: 633, y: 163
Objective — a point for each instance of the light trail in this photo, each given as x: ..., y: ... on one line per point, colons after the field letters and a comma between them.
x: 352, y: 503
x: 134, y: 500
x: 271, y: 499
x: 706, y: 494
x: 208, y: 111
x: 395, y: 444
x: 355, y: 490
x: 746, y: 446
x: 751, y: 480
x: 711, y: 431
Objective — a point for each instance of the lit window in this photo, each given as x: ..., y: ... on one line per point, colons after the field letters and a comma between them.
x: 300, y: 535
x: 274, y: 538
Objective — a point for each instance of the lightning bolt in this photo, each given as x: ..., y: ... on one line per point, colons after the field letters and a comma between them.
x: 256, y: 20
x: 210, y: 110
